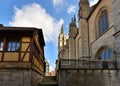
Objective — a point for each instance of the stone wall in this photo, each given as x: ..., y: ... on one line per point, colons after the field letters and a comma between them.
x: 117, y: 45
x: 83, y: 40
x: 89, y: 78
x: 107, y: 39
x: 19, y: 77
x: 116, y: 16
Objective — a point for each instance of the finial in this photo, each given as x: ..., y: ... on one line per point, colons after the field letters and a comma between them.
x: 74, y: 18
x: 71, y: 20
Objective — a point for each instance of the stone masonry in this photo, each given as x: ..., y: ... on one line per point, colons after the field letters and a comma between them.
x: 19, y: 77
x: 89, y: 78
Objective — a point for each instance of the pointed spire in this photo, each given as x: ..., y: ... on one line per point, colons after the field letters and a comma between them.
x: 62, y: 29
x: 74, y: 18
x: 71, y: 20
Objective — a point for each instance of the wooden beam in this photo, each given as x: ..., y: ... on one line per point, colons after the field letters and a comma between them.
x: 4, y: 48
x: 20, y: 49
x: 25, y: 52
x: 31, y: 49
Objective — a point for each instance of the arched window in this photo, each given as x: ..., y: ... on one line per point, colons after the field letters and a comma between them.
x: 105, y: 54
x: 103, y: 22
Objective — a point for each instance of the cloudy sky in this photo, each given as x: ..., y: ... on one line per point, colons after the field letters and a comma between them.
x: 46, y: 14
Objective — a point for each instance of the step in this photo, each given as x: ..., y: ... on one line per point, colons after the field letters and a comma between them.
x: 49, y: 81
x: 46, y: 85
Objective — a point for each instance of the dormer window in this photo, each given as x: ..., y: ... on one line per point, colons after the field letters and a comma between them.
x: 103, y: 22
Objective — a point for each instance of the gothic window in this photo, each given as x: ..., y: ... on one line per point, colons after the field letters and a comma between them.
x: 106, y: 54
x: 103, y: 22
x: 13, y: 45
x: 1, y: 44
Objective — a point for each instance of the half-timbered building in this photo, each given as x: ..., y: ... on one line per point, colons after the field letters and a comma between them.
x: 22, y: 61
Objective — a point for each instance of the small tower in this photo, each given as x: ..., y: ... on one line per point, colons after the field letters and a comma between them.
x: 72, y: 28
x: 72, y: 34
x: 61, y: 39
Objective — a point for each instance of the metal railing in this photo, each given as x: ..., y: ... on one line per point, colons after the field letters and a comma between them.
x: 87, y: 64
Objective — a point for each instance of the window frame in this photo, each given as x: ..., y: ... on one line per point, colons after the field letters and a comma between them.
x: 103, y: 22
x: 1, y: 45
x: 105, y: 54
x: 13, y: 44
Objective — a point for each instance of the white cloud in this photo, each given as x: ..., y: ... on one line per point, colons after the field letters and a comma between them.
x: 92, y: 2
x: 33, y: 15
x: 57, y: 2
x: 71, y: 9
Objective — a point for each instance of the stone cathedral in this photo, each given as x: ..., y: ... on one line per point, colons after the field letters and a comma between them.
x: 88, y: 40
x: 91, y: 48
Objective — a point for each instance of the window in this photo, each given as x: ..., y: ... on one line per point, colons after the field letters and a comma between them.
x: 1, y: 45
x: 106, y: 54
x: 13, y: 45
x: 103, y: 22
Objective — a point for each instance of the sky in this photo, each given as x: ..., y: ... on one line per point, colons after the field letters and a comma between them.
x: 49, y: 15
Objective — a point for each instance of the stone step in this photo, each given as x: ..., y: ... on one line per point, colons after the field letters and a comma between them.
x: 47, y: 85
x: 49, y: 81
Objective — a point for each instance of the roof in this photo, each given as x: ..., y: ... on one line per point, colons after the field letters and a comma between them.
x: 24, y: 29
x: 5, y: 28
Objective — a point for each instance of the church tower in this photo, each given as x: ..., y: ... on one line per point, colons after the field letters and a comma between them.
x: 61, y: 39
x: 72, y: 34
x: 84, y: 10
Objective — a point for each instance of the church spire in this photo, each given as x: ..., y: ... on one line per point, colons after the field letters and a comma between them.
x: 62, y: 29
x: 74, y: 19
x: 73, y: 22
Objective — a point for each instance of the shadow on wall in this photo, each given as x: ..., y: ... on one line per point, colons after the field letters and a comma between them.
x: 90, y: 78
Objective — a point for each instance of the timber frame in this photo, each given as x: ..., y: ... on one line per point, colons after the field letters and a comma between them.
x: 30, y: 52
